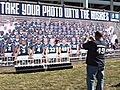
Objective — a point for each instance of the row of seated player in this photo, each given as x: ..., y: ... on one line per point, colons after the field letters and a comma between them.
x: 25, y: 52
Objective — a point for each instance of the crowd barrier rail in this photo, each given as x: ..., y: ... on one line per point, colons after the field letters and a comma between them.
x: 111, y: 53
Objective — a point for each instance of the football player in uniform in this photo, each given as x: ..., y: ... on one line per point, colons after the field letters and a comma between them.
x: 24, y: 36
x: 12, y: 36
x: 35, y: 36
x: 9, y: 33
x: 17, y: 40
x: 38, y: 52
x: 64, y: 50
x: 23, y: 49
x: 5, y: 39
x: 74, y: 47
x: 29, y: 40
x: 9, y: 49
x: 16, y: 30
x: 38, y: 49
x: 23, y: 53
x: 52, y: 51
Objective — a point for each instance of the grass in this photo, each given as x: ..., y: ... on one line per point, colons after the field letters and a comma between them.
x: 72, y: 79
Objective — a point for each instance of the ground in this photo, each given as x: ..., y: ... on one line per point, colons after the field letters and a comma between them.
x: 71, y: 79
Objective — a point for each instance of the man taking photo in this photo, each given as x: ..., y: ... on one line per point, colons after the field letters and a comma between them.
x: 95, y: 60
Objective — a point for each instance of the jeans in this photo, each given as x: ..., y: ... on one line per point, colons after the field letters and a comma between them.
x: 92, y: 72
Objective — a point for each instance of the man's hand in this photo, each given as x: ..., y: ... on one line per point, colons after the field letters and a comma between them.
x: 92, y: 38
x: 85, y: 40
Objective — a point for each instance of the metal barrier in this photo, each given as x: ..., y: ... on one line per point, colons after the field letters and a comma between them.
x: 28, y: 62
x: 81, y: 57
x: 50, y: 59
x: 49, y: 62
x: 111, y: 53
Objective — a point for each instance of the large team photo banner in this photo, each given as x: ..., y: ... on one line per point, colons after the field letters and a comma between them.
x: 39, y: 10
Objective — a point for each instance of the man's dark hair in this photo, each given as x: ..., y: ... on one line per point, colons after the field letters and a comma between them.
x: 116, y: 40
x: 99, y: 34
